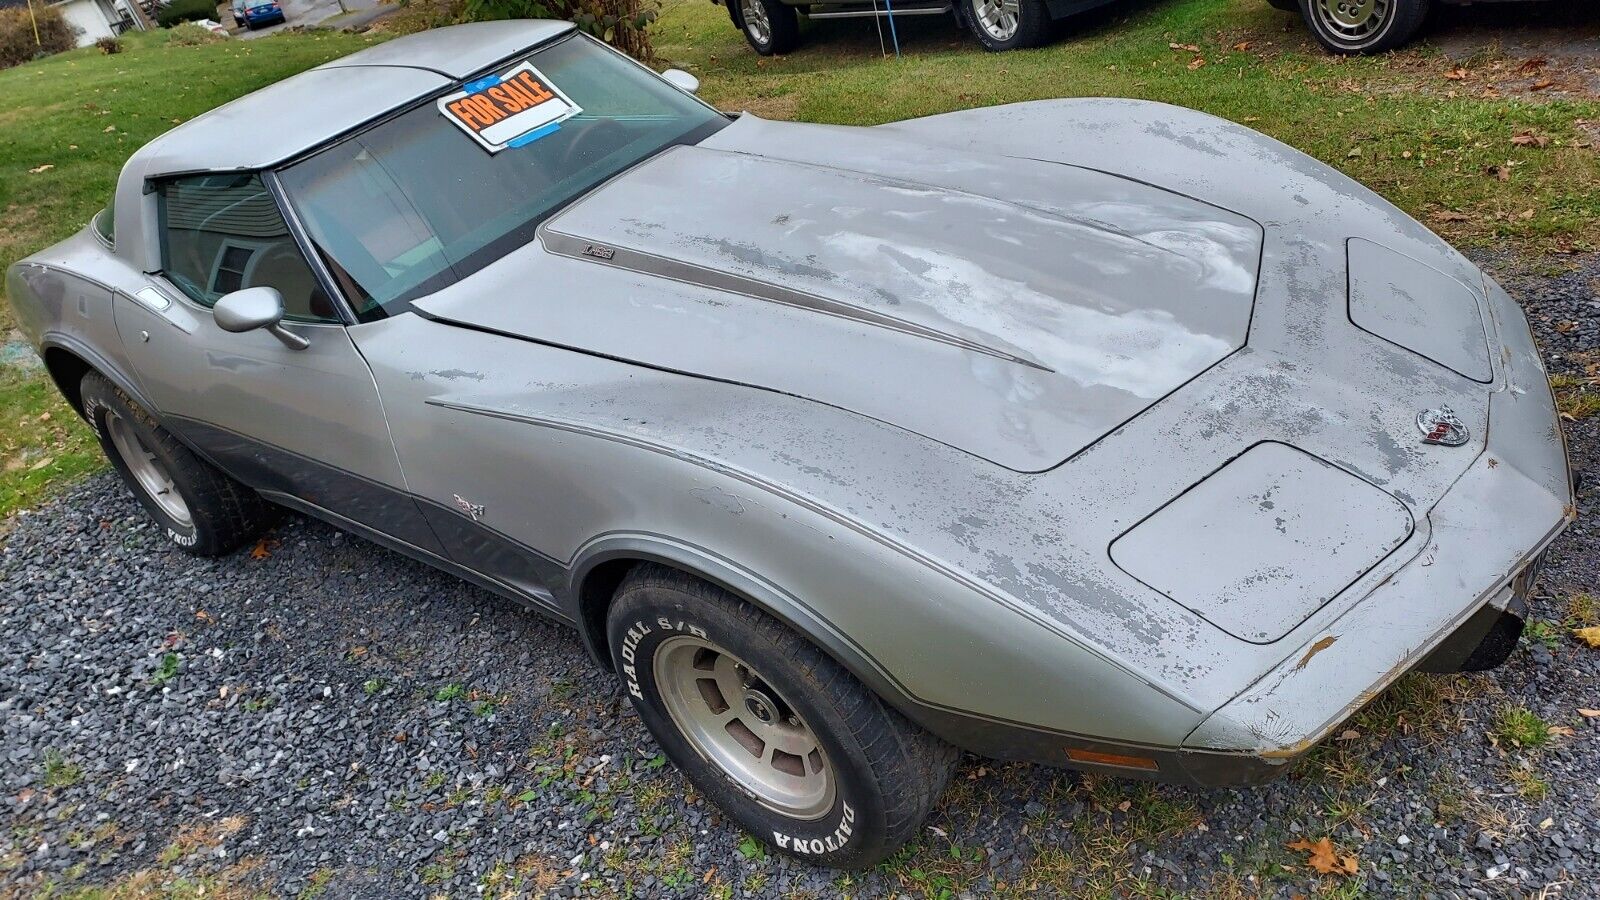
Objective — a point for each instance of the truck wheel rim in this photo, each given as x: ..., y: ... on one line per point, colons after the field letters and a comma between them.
x: 738, y: 722
x: 147, y: 470
x: 756, y: 21
x: 998, y: 18
x: 1352, y: 20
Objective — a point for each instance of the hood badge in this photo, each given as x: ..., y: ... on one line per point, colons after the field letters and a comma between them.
x: 1440, y: 426
x: 474, y: 511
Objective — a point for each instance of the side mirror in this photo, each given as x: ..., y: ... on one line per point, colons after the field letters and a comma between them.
x: 681, y: 80
x: 256, y: 307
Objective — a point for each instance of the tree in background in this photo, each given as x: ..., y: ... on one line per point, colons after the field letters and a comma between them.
x: 29, y: 33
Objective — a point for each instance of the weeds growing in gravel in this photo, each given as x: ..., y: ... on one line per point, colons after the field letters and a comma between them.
x: 1520, y: 727
x: 1576, y: 398
x: 59, y: 772
x: 168, y: 669
x: 1543, y: 632
x: 1530, y: 785
x: 450, y: 692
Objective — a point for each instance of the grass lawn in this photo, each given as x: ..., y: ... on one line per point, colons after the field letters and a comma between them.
x: 1440, y: 147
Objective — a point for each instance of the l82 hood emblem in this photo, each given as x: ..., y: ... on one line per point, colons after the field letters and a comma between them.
x: 1440, y: 426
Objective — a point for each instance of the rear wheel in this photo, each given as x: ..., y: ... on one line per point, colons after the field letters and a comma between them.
x: 770, y: 26
x: 769, y: 728
x: 201, y: 510
x: 1363, y: 26
x: 1009, y: 24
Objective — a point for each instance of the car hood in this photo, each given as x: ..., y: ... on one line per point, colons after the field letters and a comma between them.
x: 1014, y: 309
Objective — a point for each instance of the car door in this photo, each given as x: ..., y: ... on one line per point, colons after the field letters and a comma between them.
x: 302, y: 425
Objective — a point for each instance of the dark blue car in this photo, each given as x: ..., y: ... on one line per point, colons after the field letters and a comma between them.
x: 251, y: 13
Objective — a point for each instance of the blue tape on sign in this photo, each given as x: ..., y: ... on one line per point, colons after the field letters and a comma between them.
x: 534, y: 135
x: 482, y: 84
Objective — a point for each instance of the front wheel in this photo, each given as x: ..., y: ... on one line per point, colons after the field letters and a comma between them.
x: 770, y: 26
x: 200, y: 509
x: 1363, y: 26
x: 1009, y: 24
x: 771, y: 730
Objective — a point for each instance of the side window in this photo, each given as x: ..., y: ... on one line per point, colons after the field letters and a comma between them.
x: 223, y: 233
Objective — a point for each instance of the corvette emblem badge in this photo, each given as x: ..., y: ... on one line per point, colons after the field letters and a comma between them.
x: 1440, y: 426
x: 474, y: 511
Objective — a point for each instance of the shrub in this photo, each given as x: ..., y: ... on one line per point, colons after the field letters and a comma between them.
x: 186, y: 11
x: 17, y: 43
x: 109, y: 45
x: 189, y: 34
x: 621, y: 23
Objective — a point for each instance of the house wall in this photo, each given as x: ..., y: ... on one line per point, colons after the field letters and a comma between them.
x: 87, y: 18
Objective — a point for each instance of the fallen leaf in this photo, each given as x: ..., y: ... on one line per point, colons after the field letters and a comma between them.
x: 1560, y: 731
x: 1541, y: 84
x: 1450, y: 215
x: 1242, y: 46
x: 1498, y: 173
x: 41, y: 463
x: 1456, y: 74
x: 1589, y: 713
x: 1530, y: 138
x: 37, y: 169
x: 1124, y: 806
x: 1525, y: 214
x: 108, y: 129
x: 1354, y: 152
x: 262, y: 549
x: 1546, y: 823
x: 1565, y: 327
x: 202, y: 615
x: 1322, y: 858
x: 1529, y: 66
x: 44, y: 417
x: 1196, y: 63
x: 1590, y: 635
x: 710, y: 874
x: 1192, y: 48
x: 1349, y: 734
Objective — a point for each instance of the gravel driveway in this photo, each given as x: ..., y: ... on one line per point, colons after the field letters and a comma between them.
x: 324, y: 717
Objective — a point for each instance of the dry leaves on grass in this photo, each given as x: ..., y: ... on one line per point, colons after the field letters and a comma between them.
x: 1530, y: 138
x: 1322, y: 857
x: 1192, y: 48
x: 1457, y: 74
x: 38, y: 169
x: 1450, y: 215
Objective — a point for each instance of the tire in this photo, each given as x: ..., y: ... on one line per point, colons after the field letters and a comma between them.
x: 770, y: 26
x: 870, y: 776
x: 1363, y: 26
x: 201, y: 510
x: 1008, y: 24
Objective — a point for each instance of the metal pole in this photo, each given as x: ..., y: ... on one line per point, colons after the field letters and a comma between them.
x: 35, y: 20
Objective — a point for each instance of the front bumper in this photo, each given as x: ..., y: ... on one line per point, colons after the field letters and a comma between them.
x: 1457, y: 605
x: 1481, y: 538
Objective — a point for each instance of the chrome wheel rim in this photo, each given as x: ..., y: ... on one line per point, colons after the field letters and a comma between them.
x: 756, y: 21
x: 738, y: 722
x: 1352, y: 20
x: 998, y: 18
x: 148, y: 471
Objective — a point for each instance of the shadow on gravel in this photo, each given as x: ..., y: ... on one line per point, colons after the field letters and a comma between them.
x: 333, y: 718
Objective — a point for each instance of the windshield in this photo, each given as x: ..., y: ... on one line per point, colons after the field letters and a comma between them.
x: 422, y: 200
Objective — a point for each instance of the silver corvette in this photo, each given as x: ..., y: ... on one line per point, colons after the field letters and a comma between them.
x: 1092, y: 432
